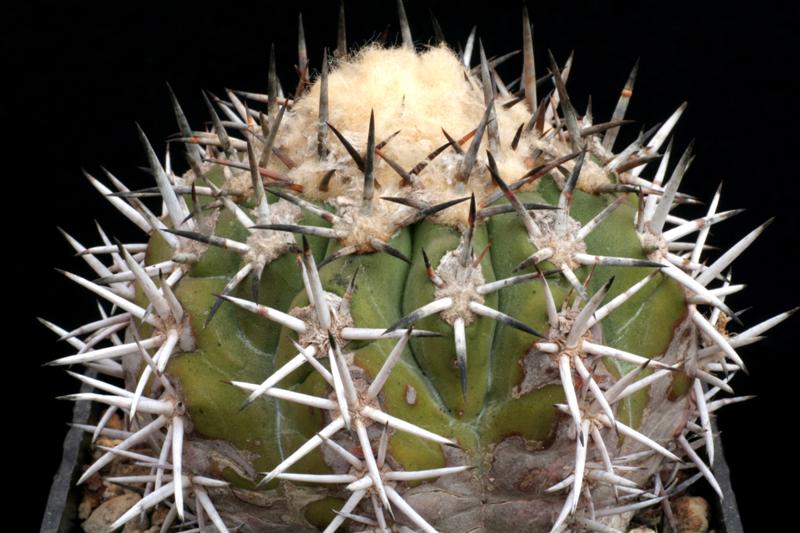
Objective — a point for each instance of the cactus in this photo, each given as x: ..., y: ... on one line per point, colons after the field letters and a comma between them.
x: 409, y: 298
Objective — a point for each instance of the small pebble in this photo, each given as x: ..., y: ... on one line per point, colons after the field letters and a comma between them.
x: 84, y: 509
x: 691, y: 514
x: 135, y: 526
x: 105, y: 515
x: 158, y: 516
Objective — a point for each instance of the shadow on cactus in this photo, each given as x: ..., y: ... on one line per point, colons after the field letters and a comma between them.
x: 413, y: 297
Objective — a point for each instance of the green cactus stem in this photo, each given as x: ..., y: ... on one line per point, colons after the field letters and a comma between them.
x: 407, y: 298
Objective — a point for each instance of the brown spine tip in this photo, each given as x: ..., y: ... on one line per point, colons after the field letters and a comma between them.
x: 341, y: 35
x: 529, y: 66
x: 322, y: 131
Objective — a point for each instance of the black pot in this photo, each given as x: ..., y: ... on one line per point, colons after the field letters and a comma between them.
x: 61, y: 513
x: 726, y: 510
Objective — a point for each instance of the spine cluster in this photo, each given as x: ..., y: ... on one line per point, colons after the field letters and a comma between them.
x: 146, y: 325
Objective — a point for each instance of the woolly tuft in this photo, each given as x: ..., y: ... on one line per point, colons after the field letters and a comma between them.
x: 416, y: 93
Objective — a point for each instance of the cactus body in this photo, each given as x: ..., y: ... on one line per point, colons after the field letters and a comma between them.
x: 407, y: 299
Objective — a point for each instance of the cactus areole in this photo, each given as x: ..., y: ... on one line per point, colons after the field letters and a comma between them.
x: 411, y: 297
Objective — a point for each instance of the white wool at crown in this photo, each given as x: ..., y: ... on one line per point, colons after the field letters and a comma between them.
x: 419, y: 94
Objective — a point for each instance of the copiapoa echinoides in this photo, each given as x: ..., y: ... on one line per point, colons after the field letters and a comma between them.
x: 542, y: 64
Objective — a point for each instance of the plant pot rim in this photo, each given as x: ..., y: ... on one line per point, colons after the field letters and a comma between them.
x: 61, y: 513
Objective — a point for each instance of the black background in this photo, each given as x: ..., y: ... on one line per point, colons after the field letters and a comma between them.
x: 77, y: 77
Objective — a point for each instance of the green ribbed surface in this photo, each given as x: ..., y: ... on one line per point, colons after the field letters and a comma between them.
x: 238, y: 345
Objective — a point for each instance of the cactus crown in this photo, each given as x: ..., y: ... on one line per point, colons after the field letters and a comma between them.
x: 421, y: 288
